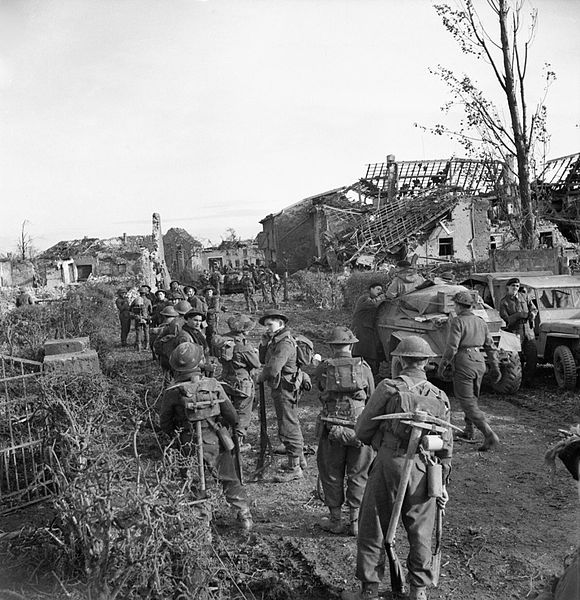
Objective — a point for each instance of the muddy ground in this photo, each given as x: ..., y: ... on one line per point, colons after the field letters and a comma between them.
x: 510, y: 521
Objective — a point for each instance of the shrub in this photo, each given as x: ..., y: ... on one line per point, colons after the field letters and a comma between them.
x: 318, y: 289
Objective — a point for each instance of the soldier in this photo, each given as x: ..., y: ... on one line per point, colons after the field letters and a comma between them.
x: 278, y: 355
x: 274, y: 284
x: 165, y: 341
x: 177, y: 418
x: 364, y: 326
x: 214, y: 306
x: 216, y: 280
x: 345, y: 384
x: 141, y: 311
x: 519, y: 312
x: 406, y: 280
x: 175, y: 291
x: 263, y: 282
x: 182, y: 307
x: 410, y: 391
x: 192, y: 332
x: 122, y: 304
x: 160, y: 303
x: 240, y: 361
x: 194, y: 300
x: 467, y: 335
x: 248, y: 286
x: 23, y: 298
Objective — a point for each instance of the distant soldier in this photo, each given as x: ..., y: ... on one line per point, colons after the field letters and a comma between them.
x: 194, y: 300
x: 364, y: 326
x: 141, y: 315
x: 345, y: 384
x: 182, y: 307
x: 274, y: 285
x: 468, y: 334
x: 184, y: 404
x: 122, y: 304
x: 264, y: 283
x: 160, y: 303
x: 204, y: 279
x: 249, y: 289
x: 240, y: 361
x: 175, y: 291
x: 214, y: 307
x: 278, y: 355
x: 23, y: 298
x: 406, y: 280
x: 216, y: 280
x: 519, y: 313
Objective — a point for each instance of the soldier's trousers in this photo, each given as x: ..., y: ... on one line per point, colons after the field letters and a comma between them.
x: 417, y: 515
x: 337, y: 461
x: 289, y: 430
x: 244, y: 406
x: 251, y: 305
x: 125, y: 321
x: 468, y: 370
x: 142, y: 336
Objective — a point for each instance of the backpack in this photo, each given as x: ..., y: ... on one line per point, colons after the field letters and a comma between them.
x: 304, y: 350
x: 410, y: 397
x: 344, y: 375
x: 201, y: 398
x: 225, y: 350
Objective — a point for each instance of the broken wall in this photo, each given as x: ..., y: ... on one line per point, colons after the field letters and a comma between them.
x: 463, y: 237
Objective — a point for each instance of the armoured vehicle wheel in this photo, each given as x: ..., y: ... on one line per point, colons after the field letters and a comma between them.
x: 565, y: 368
x: 511, y: 374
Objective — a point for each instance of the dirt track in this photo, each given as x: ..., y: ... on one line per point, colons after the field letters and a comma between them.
x: 509, y: 524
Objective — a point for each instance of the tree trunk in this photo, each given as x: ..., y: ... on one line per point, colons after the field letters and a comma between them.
x: 528, y: 229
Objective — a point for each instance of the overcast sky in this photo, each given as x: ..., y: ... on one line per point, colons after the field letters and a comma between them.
x: 216, y: 113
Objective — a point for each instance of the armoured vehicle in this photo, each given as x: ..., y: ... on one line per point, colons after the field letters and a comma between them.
x: 557, y: 324
x: 426, y: 312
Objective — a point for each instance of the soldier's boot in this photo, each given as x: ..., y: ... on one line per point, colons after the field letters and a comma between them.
x: 289, y: 472
x: 369, y: 591
x: 333, y: 524
x: 353, y: 527
x: 491, y: 440
x: 245, y: 519
x: 468, y: 432
x: 417, y: 593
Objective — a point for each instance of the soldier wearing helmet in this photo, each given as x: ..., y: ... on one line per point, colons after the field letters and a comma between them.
x: 467, y: 335
x: 345, y: 384
x: 408, y: 392
x: 179, y: 413
x: 141, y: 311
x: 239, y: 360
x: 165, y: 339
x: 214, y: 307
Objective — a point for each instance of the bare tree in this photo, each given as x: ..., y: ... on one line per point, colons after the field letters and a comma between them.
x: 484, y: 129
x: 24, y: 244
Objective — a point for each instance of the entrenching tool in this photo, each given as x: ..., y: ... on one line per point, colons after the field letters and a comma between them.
x: 436, y: 558
x: 201, y: 468
x: 421, y: 423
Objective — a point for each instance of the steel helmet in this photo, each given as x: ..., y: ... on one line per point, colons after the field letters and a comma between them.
x: 169, y: 311
x: 342, y: 335
x: 183, y: 307
x: 273, y: 313
x: 415, y: 347
x: 186, y: 357
x: 240, y: 323
x: 464, y: 298
x: 138, y: 301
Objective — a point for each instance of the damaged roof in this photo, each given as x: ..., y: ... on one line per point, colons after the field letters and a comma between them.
x: 94, y: 246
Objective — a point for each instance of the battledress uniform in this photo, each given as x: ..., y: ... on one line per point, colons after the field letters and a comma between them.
x: 364, y: 327
x: 418, y: 511
x: 339, y: 456
x: 122, y: 304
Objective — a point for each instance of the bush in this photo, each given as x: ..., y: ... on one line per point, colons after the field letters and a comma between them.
x: 318, y: 289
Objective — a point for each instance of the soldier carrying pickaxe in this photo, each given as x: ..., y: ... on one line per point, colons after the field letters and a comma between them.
x: 407, y: 421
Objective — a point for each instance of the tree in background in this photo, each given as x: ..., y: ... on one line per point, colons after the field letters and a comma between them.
x: 483, y: 130
x: 24, y: 244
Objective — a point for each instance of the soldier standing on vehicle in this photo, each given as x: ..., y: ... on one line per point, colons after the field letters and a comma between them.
x: 122, y: 304
x: 278, y: 355
x: 406, y: 280
x: 410, y: 391
x: 240, y: 361
x: 178, y: 418
x: 345, y: 384
x: 364, y: 326
x: 519, y: 312
x: 467, y: 335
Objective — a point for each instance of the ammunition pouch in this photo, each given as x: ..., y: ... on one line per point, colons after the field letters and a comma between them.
x: 343, y: 435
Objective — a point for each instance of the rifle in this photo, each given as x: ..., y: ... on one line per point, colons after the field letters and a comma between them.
x: 436, y: 558
x: 420, y: 424
x: 238, y: 458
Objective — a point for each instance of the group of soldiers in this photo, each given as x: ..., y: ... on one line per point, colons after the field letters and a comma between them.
x: 383, y: 450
